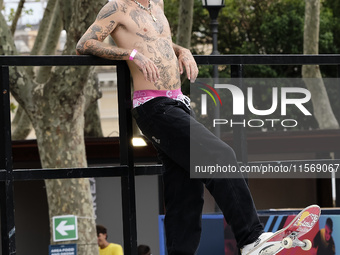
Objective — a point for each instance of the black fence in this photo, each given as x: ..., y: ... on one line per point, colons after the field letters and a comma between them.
x: 127, y: 170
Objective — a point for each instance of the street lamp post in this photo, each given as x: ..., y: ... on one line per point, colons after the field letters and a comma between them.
x: 214, y: 7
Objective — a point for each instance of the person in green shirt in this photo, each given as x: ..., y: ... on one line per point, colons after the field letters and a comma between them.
x: 106, y: 248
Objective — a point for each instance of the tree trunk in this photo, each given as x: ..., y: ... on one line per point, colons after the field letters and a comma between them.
x: 56, y: 109
x: 48, y: 26
x: 59, y: 123
x: 64, y: 132
x: 184, y: 30
x: 311, y: 73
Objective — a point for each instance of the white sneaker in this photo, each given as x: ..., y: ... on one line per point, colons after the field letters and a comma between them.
x: 250, y: 249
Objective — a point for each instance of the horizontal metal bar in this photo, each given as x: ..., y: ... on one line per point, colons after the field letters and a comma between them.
x: 273, y: 59
x: 278, y: 59
x: 65, y: 173
x: 149, y: 170
x: 56, y: 60
x: 118, y: 171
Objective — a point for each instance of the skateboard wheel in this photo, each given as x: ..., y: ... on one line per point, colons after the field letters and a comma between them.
x: 308, y: 245
x: 287, y: 243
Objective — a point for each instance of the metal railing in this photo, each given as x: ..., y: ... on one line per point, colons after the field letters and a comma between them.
x: 127, y: 170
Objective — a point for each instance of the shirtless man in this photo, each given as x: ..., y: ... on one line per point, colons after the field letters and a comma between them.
x: 142, y: 35
x: 155, y: 65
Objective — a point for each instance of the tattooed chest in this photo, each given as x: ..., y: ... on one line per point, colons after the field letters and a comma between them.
x: 144, y: 21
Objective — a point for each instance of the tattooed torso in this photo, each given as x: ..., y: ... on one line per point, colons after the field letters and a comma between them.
x: 134, y: 28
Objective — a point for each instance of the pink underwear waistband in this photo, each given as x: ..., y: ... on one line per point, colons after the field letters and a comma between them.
x: 157, y: 93
x: 142, y: 96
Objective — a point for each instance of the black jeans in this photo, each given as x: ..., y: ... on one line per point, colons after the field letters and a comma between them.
x: 167, y: 123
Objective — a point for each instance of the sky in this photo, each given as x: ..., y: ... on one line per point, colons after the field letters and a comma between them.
x: 36, y: 6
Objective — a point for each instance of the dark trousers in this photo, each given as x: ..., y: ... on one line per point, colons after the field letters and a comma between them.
x: 172, y: 130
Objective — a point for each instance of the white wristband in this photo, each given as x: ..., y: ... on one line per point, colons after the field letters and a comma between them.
x: 133, y: 54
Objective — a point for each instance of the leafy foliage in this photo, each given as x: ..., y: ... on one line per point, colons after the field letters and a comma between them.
x: 10, y: 16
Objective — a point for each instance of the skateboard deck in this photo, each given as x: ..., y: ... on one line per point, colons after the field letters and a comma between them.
x: 289, y: 236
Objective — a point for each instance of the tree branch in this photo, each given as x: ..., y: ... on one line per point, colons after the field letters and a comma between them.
x: 41, y: 37
x: 51, y: 43
x: 17, y: 16
x: 21, y: 87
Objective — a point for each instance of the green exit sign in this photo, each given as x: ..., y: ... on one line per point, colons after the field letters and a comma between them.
x: 65, y: 228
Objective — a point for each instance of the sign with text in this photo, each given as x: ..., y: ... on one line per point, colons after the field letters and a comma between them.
x: 65, y: 228
x: 64, y: 249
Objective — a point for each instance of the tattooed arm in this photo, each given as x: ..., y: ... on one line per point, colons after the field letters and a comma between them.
x: 91, y: 43
x: 186, y: 60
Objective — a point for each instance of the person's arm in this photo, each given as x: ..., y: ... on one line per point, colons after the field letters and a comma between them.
x: 187, y: 61
x: 91, y: 43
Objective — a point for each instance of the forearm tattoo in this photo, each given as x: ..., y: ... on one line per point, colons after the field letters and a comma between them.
x: 95, y: 48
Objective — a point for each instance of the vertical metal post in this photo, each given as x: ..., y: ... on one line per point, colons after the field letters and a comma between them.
x: 239, y: 131
x: 337, y: 153
x: 337, y: 182
x: 6, y: 186
x: 126, y: 158
x: 213, y: 12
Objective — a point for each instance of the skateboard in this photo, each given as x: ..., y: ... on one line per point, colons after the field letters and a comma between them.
x: 289, y: 236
